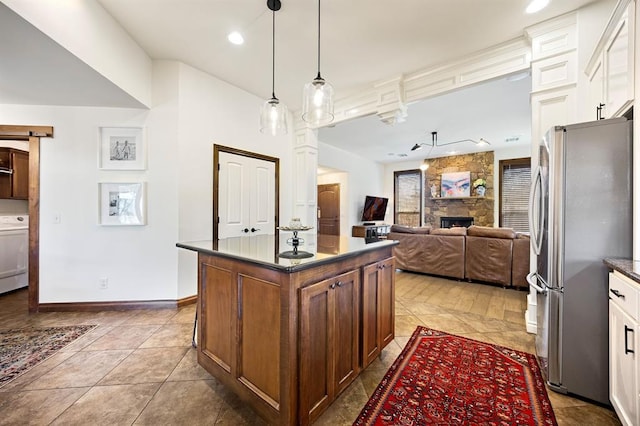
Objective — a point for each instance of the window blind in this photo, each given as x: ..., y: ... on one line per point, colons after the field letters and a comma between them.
x: 408, y: 198
x: 516, y: 184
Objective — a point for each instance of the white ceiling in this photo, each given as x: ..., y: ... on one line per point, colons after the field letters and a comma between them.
x: 35, y: 70
x: 363, y: 41
x: 497, y: 111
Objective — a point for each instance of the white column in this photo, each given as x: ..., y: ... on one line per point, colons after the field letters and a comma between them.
x: 553, y: 97
x: 305, y: 176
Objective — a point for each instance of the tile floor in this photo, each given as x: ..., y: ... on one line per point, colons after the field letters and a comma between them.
x: 138, y: 367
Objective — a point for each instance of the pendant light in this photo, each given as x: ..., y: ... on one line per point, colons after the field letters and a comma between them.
x: 273, y: 117
x: 317, y: 103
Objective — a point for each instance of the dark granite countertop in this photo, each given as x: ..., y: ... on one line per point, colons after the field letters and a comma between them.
x: 265, y: 250
x: 627, y: 267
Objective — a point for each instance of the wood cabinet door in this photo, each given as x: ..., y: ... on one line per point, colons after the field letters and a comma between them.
x: 378, y: 308
x: 386, y: 298
x: 370, y: 332
x: 623, y: 364
x: 346, y: 329
x: 328, y: 342
x: 618, y: 66
x: 20, y: 177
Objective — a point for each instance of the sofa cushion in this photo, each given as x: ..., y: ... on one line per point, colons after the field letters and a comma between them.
x: 430, y: 254
x: 456, y: 230
x: 520, y: 262
x: 490, y: 232
x: 410, y: 230
x: 488, y: 259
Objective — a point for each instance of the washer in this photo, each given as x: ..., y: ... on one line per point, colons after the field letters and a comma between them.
x: 14, y: 252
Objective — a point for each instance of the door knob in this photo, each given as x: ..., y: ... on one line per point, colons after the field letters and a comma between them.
x: 245, y: 230
x: 254, y: 229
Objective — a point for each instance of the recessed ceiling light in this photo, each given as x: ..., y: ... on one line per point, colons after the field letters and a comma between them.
x: 235, y: 38
x: 536, y: 6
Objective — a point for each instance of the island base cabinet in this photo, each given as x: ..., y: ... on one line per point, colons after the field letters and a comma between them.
x: 286, y: 339
x: 624, y: 343
x: 240, y: 343
x: 378, y: 312
x: 329, y: 324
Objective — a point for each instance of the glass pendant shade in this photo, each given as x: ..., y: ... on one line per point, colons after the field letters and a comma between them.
x: 273, y: 117
x: 317, y: 99
x: 317, y: 107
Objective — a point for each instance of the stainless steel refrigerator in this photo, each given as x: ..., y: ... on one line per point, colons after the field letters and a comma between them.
x: 580, y: 212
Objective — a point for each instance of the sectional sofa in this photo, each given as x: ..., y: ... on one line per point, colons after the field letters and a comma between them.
x: 477, y: 253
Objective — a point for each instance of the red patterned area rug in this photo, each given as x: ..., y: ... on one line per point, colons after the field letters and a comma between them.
x: 22, y: 349
x: 443, y: 379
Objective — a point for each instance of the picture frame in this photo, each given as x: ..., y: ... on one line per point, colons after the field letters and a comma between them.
x: 455, y: 185
x: 122, y: 204
x: 122, y: 148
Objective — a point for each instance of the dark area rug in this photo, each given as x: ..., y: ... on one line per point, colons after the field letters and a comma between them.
x: 440, y: 378
x: 22, y: 349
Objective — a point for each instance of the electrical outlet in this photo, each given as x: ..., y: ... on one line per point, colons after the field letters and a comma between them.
x: 103, y: 283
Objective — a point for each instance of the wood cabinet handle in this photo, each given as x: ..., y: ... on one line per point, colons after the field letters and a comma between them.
x: 626, y: 340
x: 617, y: 293
x: 337, y: 283
x: 599, y: 115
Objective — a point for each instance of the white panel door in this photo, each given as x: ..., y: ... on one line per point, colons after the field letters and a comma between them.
x: 246, y: 196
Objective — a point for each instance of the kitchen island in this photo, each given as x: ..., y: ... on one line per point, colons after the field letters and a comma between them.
x: 288, y: 335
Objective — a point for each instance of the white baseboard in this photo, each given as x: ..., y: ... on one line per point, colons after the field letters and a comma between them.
x: 530, y: 315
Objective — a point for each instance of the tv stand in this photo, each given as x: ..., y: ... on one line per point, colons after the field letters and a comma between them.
x: 369, y: 231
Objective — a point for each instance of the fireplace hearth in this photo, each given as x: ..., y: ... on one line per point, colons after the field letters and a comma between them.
x: 449, y: 222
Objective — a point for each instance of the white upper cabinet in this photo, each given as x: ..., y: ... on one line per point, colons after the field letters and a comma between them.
x: 610, y: 69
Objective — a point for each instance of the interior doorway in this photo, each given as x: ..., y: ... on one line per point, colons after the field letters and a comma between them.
x: 32, y: 134
x: 245, y: 193
x: 329, y: 209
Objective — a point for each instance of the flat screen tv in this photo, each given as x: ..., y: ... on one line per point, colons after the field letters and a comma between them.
x: 375, y: 208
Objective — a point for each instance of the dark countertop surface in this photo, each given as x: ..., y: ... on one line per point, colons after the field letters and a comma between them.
x: 627, y: 267
x: 264, y: 250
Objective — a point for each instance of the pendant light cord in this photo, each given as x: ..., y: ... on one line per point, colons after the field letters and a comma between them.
x: 273, y: 56
x: 318, y: 39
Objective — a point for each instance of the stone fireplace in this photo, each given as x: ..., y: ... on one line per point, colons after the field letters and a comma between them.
x: 479, y: 208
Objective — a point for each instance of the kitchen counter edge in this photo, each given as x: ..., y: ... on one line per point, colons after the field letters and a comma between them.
x: 289, y: 268
x: 627, y: 267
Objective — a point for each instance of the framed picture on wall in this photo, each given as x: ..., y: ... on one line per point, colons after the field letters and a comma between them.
x: 122, y: 148
x: 122, y: 204
x: 457, y: 184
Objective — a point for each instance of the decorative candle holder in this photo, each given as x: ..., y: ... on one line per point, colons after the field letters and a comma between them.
x: 295, y: 241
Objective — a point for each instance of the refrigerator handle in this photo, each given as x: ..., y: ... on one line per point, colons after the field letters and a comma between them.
x: 535, y: 285
x: 535, y: 196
